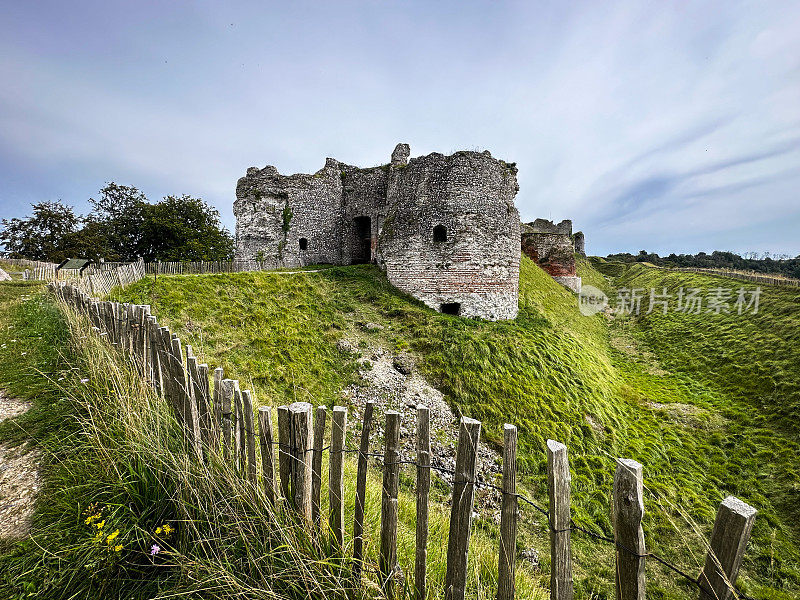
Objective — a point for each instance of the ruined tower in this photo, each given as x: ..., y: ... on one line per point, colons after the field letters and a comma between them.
x: 443, y: 228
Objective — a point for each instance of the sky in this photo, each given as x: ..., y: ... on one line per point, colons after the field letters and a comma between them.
x: 666, y: 126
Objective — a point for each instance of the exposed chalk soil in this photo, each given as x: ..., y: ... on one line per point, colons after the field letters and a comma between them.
x: 19, y: 478
x: 393, y: 382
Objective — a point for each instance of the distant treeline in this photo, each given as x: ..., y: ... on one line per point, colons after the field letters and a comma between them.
x: 752, y: 261
x: 123, y: 225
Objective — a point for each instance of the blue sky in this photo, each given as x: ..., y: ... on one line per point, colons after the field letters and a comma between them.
x: 670, y: 126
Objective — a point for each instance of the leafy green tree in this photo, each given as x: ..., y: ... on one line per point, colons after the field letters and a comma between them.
x: 182, y: 228
x: 49, y: 234
x: 118, y: 215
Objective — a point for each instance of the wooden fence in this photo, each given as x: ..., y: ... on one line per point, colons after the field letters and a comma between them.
x: 220, y: 419
x: 96, y: 280
x: 203, y: 267
x: 742, y: 275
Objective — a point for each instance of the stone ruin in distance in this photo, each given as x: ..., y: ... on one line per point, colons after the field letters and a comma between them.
x: 443, y: 228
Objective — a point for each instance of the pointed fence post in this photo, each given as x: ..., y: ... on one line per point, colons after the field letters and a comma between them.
x: 217, y: 409
x: 250, y: 437
x: 508, y: 517
x: 361, y: 490
x: 336, y: 474
x: 300, y: 438
x: 423, y: 490
x: 227, y: 390
x: 320, y: 416
x: 284, y: 455
x: 628, y: 533
x: 461, y: 512
x: 203, y: 397
x: 267, y: 453
x: 558, y: 484
x: 391, y: 476
x: 732, y: 529
x: 239, y: 455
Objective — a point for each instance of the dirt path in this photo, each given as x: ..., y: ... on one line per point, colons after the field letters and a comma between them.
x: 19, y: 478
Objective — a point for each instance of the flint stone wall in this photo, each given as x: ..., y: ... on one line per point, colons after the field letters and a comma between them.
x: 551, y: 246
x: 475, y: 269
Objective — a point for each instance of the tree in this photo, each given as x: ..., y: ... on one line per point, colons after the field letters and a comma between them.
x: 50, y: 234
x: 182, y: 228
x: 118, y: 216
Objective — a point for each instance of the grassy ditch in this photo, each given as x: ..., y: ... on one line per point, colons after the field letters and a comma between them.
x: 591, y: 384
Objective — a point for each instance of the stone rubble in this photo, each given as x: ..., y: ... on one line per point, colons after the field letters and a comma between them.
x: 403, y: 389
x: 19, y: 478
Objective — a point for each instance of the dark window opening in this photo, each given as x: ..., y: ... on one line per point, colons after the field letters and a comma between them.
x: 440, y: 233
x: 451, y: 308
x: 303, y: 244
x: 362, y: 240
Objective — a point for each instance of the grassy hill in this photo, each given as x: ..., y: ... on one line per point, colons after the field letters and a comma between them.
x: 658, y: 391
x: 555, y: 373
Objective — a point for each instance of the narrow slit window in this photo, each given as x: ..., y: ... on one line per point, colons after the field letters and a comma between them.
x: 440, y: 234
x: 303, y: 244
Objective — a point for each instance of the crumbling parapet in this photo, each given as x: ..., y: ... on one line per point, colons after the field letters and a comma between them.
x: 580, y: 243
x: 551, y: 246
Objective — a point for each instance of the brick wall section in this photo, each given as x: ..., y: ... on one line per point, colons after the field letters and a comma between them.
x: 550, y: 245
x: 471, y: 194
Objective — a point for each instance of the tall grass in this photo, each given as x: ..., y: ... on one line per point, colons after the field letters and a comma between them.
x: 552, y: 371
x: 125, y: 466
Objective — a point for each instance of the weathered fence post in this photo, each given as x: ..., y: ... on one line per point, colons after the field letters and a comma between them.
x: 361, y: 490
x: 226, y: 394
x: 250, y: 437
x: 508, y: 517
x: 336, y: 474
x: 461, y: 512
x: 300, y: 464
x: 267, y: 455
x: 558, y: 484
x: 320, y: 416
x: 391, y: 476
x: 217, y: 407
x: 204, y: 406
x: 240, y: 455
x: 628, y: 533
x: 284, y: 455
x: 423, y: 489
x: 729, y: 537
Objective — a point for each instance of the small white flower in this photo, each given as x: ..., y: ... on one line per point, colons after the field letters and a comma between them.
x: 85, y: 380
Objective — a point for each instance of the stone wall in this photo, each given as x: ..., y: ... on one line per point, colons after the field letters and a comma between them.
x: 387, y: 214
x: 579, y: 242
x: 551, y: 246
x: 472, y: 267
x: 274, y: 212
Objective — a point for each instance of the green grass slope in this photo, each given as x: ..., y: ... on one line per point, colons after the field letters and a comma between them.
x: 553, y: 372
x: 752, y: 358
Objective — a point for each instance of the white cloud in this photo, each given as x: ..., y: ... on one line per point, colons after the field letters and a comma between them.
x: 649, y: 125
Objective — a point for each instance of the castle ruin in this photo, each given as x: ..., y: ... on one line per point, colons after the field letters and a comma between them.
x: 552, y: 246
x: 443, y: 228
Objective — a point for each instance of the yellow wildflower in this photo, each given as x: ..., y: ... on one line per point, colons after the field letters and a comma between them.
x: 111, y: 537
x: 168, y: 529
x: 118, y: 548
x: 101, y: 524
x: 158, y: 530
x: 91, y: 518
